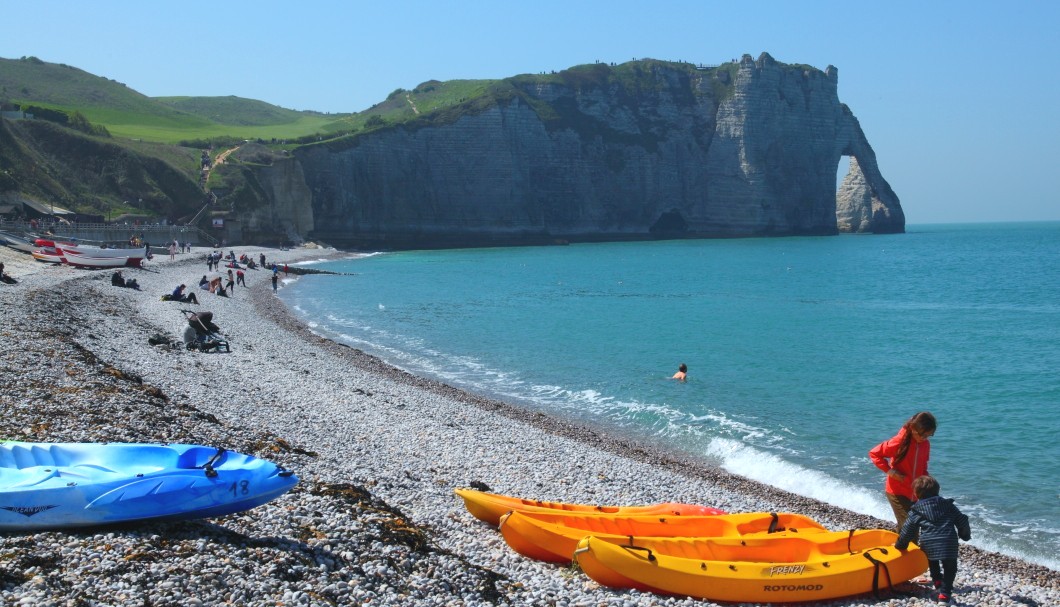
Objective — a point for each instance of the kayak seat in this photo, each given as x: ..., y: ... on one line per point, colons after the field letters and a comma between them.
x: 197, y: 458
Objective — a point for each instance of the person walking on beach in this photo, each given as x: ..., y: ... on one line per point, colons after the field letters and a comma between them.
x: 275, y: 279
x: 938, y: 523
x: 682, y: 373
x: 230, y: 286
x: 904, y: 458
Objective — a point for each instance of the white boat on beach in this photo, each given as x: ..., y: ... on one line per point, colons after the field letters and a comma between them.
x: 133, y: 257
x: 17, y: 242
x: 85, y: 261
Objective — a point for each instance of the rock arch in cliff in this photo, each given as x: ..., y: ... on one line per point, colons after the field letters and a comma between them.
x: 865, y: 202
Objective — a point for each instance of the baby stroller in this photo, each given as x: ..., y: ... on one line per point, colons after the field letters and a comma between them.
x: 202, y: 334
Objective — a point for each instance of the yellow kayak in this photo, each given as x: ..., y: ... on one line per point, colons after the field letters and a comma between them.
x: 490, y: 507
x: 768, y: 569
x: 553, y: 536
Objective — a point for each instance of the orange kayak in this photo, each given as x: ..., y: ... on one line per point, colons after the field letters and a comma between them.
x: 553, y: 536
x: 784, y: 568
x: 490, y: 507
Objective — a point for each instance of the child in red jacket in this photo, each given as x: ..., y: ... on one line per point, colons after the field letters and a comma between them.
x: 904, y: 458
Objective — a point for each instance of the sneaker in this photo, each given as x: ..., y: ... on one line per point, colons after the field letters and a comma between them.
x: 944, y: 598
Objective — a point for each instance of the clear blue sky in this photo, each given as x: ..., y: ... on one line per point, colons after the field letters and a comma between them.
x: 960, y: 100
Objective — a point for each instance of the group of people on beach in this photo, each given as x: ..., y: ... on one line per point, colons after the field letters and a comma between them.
x: 921, y: 514
x: 214, y: 259
x: 216, y: 285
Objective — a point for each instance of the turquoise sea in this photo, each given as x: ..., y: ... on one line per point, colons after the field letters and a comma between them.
x: 803, y: 353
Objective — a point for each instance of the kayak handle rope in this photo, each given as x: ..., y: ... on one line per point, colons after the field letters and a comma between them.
x: 876, y: 571
x: 208, y: 466
x: 774, y: 525
x: 504, y: 518
x: 651, y: 555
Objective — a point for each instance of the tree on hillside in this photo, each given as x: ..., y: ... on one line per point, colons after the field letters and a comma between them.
x: 79, y: 122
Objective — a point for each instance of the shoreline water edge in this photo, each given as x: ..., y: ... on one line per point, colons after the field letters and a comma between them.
x: 379, y: 451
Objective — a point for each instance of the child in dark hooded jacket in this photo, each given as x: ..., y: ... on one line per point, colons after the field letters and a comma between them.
x: 939, y: 523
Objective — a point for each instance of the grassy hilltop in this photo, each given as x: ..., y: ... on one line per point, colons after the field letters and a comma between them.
x: 127, y: 113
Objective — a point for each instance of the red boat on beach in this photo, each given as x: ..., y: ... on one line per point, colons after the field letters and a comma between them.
x: 47, y: 255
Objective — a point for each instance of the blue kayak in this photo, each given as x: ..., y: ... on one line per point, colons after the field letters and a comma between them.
x: 55, y: 485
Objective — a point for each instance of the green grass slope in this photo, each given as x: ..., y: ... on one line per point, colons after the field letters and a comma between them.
x: 428, y: 98
x: 30, y: 81
x: 236, y: 111
x: 127, y: 113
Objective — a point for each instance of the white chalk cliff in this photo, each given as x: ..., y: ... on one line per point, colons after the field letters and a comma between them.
x: 648, y: 149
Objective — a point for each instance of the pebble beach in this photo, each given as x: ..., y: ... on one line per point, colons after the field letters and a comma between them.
x: 373, y: 520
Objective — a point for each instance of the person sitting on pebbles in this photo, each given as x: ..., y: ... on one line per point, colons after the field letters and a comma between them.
x: 118, y: 280
x: 4, y: 277
x: 178, y: 295
x: 215, y: 284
